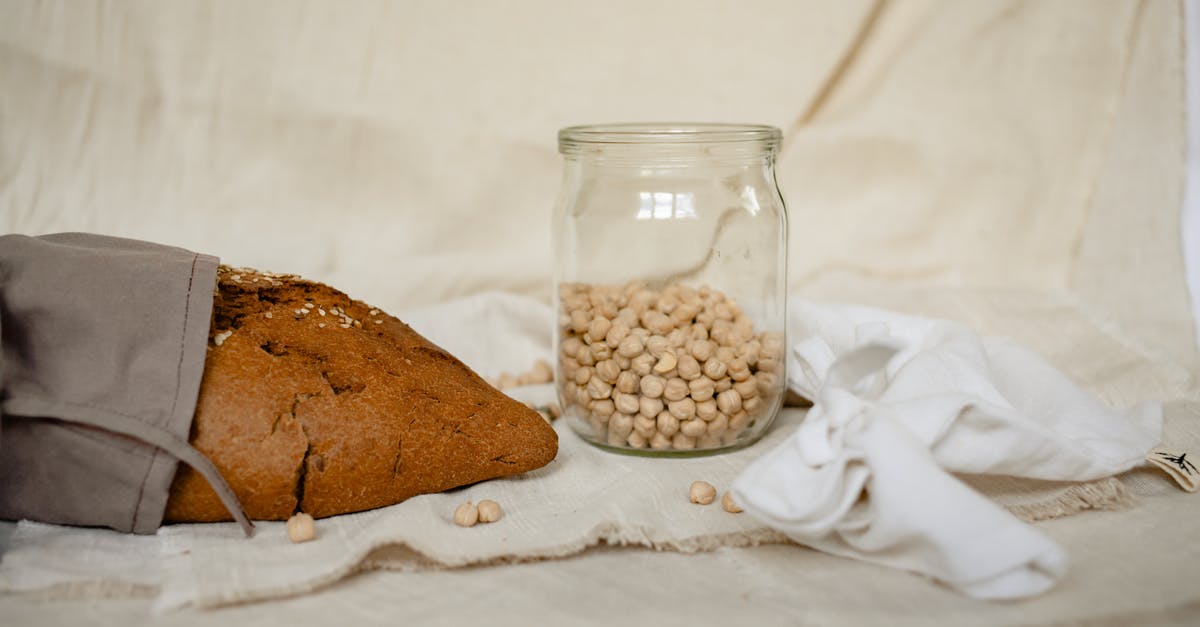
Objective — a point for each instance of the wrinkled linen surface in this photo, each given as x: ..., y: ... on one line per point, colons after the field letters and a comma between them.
x: 583, y: 498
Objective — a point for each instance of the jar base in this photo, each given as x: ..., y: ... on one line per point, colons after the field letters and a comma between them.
x: 675, y: 453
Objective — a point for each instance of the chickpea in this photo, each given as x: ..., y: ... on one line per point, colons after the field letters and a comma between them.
x: 700, y: 389
x: 598, y: 328
x: 652, y: 386
x: 688, y: 367
x: 658, y: 322
x: 660, y: 442
x: 489, y: 511
x: 649, y: 406
x: 647, y: 426
x: 772, y: 346
x: 581, y: 395
x: 580, y: 321
x: 656, y: 345
x: 746, y: 389
x: 702, y: 493
x: 767, y: 381
x: 739, y: 421
x: 693, y: 428
x: 607, y: 371
x: 675, y: 389
x: 301, y: 528
x: 627, y: 317
x: 729, y: 401
x: 616, y: 333
x: 681, y: 442
x: 636, y: 440
x: 718, y: 425
x: 667, y: 424
x: 621, y: 425
x: 600, y: 351
x: 684, y: 313
x: 706, y: 410
x: 767, y: 365
x: 729, y: 505
x: 630, y: 347
x: 702, y: 350
x: 627, y: 382
x: 542, y: 372
x: 598, y: 389
x: 570, y: 346
x: 683, y: 409
x: 714, y: 368
x: 604, y: 407
x: 749, y: 352
x: 643, y: 364
x: 666, y: 363
x: 583, y: 375
x: 466, y: 515
x: 625, y: 403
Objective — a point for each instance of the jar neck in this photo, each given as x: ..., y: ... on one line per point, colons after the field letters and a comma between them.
x: 670, y: 145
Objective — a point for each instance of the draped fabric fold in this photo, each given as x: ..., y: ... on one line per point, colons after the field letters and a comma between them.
x: 102, y: 349
x: 900, y: 403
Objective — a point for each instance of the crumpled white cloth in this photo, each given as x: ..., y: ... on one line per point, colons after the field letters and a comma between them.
x: 900, y: 403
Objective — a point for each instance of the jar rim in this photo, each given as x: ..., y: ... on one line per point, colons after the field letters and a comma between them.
x: 668, y: 133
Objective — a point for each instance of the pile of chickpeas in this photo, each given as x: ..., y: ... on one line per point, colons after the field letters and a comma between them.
x: 678, y: 368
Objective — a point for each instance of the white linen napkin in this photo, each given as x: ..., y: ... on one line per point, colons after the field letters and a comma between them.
x: 900, y: 402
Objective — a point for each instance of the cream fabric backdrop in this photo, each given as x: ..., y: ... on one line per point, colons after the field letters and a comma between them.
x: 405, y: 151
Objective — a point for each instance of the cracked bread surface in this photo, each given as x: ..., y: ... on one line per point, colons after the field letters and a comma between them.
x: 315, y: 402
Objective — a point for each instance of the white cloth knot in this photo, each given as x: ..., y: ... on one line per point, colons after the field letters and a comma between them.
x: 899, y: 403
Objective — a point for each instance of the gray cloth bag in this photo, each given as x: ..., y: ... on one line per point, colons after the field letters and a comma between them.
x: 102, y: 348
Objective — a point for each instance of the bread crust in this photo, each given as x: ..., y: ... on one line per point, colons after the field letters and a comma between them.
x: 338, y: 407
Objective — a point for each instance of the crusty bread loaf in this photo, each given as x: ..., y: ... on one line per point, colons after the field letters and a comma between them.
x: 318, y: 403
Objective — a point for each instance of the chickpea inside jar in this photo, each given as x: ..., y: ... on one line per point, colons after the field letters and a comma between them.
x: 671, y: 258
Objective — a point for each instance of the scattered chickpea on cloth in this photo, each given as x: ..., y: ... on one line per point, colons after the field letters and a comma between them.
x: 467, y: 514
x: 702, y: 493
x: 301, y: 528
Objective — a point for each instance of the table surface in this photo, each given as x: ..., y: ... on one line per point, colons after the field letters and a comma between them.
x: 767, y: 585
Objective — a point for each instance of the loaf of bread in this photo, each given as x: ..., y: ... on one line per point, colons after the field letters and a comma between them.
x: 313, y: 402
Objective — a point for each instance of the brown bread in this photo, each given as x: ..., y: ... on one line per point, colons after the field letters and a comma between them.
x: 339, y: 409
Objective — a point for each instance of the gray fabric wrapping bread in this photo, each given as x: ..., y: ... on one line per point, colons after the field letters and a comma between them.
x: 102, y: 351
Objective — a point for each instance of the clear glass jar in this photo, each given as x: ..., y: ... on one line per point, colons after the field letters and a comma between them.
x: 671, y: 259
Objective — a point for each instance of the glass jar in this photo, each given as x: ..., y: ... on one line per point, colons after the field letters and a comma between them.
x: 671, y: 259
